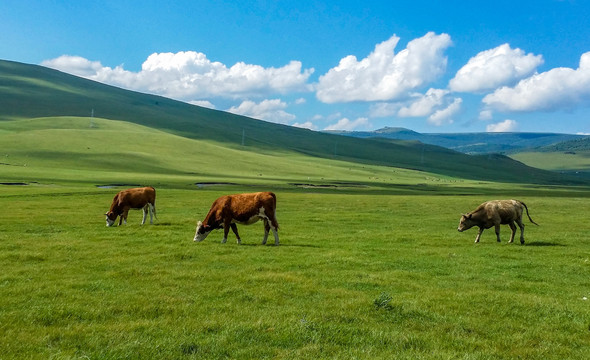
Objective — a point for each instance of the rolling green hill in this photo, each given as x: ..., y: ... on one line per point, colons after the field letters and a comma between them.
x: 29, y: 91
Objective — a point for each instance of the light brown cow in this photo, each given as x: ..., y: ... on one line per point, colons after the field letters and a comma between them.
x: 137, y: 198
x: 246, y: 209
x: 496, y: 213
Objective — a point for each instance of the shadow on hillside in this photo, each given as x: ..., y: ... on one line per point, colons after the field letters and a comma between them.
x: 543, y: 243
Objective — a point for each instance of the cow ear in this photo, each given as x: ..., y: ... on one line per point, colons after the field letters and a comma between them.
x: 470, y: 215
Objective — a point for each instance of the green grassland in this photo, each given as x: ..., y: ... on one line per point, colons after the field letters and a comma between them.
x: 356, y: 276
x: 570, y: 162
x: 370, y: 264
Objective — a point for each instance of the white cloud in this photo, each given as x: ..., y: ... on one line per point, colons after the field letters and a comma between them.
x: 556, y: 89
x: 306, y: 125
x: 485, y: 115
x: 76, y: 65
x: 348, y: 125
x: 425, y: 104
x: 269, y: 110
x: 190, y: 75
x: 504, y: 126
x: 383, y: 75
x: 493, y: 68
x: 444, y: 116
x: 202, y: 103
x: 384, y: 109
x: 300, y: 101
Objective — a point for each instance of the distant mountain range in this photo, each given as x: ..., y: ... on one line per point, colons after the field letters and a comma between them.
x: 480, y: 143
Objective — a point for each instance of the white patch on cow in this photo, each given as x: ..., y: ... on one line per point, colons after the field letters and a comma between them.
x: 110, y: 222
x: 200, y: 236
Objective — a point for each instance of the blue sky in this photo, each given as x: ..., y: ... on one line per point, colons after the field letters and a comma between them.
x: 430, y: 66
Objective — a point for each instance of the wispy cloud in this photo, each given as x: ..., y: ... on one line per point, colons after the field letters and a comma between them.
x: 349, y: 125
x: 445, y: 116
x: 269, y: 110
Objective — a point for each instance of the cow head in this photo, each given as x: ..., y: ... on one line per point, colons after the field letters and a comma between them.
x: 111, y: 217
x: 466, y: 222
x: 202, y: 231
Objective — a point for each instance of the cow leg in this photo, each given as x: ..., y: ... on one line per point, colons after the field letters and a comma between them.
x: 497, y: 232
x: 521, y: 226
x: 274, y: 225
x: 144, y: 210
x: 234, y: 228
x: 123, y: 217
x: 152, y: 209
x: 513, y: 229
x: 226, y: 225
x: 266, y: 230
x: 479, y: 234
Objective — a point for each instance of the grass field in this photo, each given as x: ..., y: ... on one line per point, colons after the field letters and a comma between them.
x: 575, y: 162
x: 357, y: 275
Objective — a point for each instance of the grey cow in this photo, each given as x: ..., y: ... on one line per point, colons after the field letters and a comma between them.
x: 496, y: 213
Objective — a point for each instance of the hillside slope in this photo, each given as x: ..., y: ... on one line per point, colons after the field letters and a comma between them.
x: 30, y: 91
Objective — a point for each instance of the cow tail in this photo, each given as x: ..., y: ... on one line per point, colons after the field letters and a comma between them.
x: 154, y: 203
x: 527, y: 213
x: 274, y: 198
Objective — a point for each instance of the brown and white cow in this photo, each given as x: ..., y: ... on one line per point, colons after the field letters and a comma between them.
x: 137, y: 198
x: 496, y: 213
x: 246, y: 209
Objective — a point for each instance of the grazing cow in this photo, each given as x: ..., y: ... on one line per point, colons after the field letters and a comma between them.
x: 136, y: 198
x: 246, y: 209
x: 494, y: 213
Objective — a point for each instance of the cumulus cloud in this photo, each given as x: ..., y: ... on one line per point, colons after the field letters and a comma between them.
x: 556, y: 89
x: 269, y: 110
x: 191, y: 75
x: 349, y: 125
x: 384, y: 75
x: 445, y: 116
x: 504, y: 126
x: 493, y: 68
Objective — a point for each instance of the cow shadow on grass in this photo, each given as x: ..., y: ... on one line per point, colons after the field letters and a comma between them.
x: 543, y: 243
x: 280, y: 245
